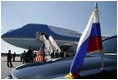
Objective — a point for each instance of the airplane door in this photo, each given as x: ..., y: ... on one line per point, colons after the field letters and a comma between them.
x: 38, y: 34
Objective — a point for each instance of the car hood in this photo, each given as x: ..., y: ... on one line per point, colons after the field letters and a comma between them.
x: 92, y: 65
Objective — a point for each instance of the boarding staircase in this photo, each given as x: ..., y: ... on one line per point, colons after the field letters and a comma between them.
x: 54, y: 44
x: 50, y: 44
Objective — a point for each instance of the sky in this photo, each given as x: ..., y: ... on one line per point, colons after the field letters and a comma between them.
x: 67, y: 14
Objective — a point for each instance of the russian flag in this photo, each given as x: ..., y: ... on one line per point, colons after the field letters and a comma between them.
x: 90, y: 41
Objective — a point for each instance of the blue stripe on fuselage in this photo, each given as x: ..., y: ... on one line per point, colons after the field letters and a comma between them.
x: 29, y: 31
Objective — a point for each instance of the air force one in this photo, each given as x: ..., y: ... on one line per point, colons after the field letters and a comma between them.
x: 26, y: 36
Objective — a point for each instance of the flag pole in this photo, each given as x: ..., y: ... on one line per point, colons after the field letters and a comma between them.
x: 101, y: 53
x: 102, y: 62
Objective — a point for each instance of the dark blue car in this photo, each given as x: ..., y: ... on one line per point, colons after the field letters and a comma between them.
x: 60, y: 68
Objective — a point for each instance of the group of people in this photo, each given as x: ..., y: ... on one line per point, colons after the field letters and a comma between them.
x: 26, y: 57
x: 57, y: 54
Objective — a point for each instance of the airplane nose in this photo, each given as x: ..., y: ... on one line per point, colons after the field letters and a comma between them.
x: 21, y: 38
x: 7, y: 35
x: 4, y: 35
x: 11, y: 34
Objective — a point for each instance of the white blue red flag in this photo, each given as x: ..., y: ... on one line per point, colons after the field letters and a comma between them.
x: 90, y: 41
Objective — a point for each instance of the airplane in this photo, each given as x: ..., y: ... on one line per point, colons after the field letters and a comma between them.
x: 26, y: 36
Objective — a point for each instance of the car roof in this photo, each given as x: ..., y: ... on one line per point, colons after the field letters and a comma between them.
x: 115, y: 36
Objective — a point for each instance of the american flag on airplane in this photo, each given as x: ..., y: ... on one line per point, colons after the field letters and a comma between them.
x: 39, y: 58
x: 41, y: 51
x: 40, y: 55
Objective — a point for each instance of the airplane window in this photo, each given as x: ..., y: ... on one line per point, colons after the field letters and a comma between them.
x: 110, y: 45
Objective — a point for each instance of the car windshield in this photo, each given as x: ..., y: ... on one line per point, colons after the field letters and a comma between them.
x: 110, y: 45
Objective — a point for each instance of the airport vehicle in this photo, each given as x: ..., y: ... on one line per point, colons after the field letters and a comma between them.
x: 60, y: 68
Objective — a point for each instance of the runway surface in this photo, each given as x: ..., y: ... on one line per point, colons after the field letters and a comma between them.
x: 5, y: 71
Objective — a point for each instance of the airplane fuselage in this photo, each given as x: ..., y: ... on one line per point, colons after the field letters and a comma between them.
x: 26, y: 36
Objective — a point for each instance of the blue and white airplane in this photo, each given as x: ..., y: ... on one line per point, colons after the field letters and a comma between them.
x: 26, y: 36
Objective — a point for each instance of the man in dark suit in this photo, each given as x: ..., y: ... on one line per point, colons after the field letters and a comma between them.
x: 28, y: 55
x: 9, y: 57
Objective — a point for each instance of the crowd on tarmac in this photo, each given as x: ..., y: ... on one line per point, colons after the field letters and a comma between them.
x: 27, y: 57
x: 57, y: 54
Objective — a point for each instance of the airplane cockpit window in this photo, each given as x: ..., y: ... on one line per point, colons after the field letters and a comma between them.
x: 26, y: 25
x: 11, y: 30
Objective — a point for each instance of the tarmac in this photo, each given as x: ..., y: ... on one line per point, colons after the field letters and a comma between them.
x: 5, y: 71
